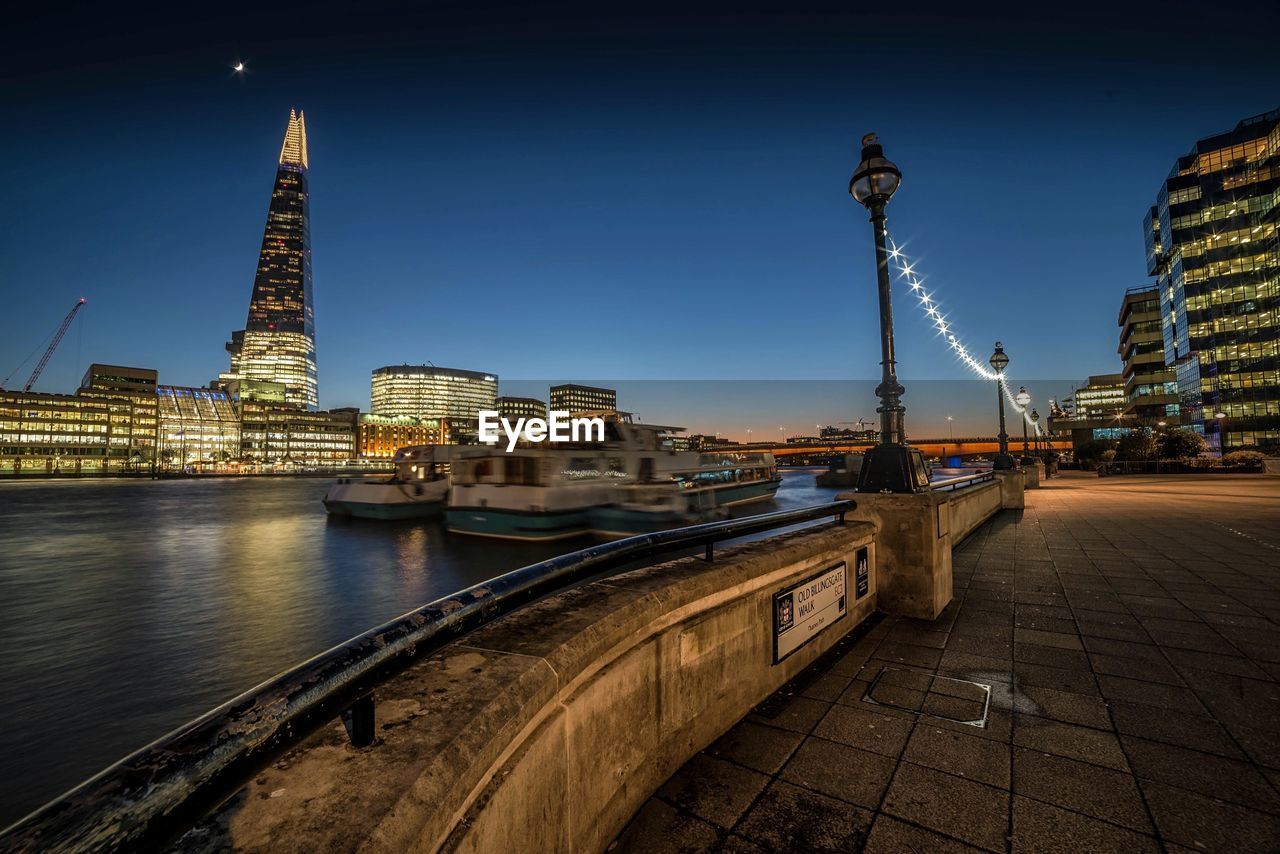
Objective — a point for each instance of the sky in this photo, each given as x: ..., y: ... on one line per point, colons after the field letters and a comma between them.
x: 553, y: 192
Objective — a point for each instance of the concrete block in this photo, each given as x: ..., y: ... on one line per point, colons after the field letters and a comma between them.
x: 913, y: 547
x: 1012, y: 487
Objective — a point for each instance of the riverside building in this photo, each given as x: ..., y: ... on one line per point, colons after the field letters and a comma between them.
x: 196, y: 425
x: 1150, y: 385
x: 576, y: 399
x: 380, y: 436
x: 512, y: 408
x: 1211, y: 244
x: 433, y: 394
x: 278, y: 342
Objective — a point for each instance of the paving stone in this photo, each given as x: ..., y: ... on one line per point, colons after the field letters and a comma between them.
x: 1065, y: 706
x: 1207, y: 824
x: 1040, y: 828
x: 843, y: 772
x: 1215, y: 776
x: 1194, y: 731
x: 713, y: 790
x: 891, y: 836
x: 1074, y: 742
x: 660, y: 829
x: 1077, y: 786
x: 1150, y: 694
x: 826, y: 687
x: 756, y: 746
x: 1073, y: 681
x: 955, y: 807
x: 865, y: 729
x: 1050, y: 656
x: 1124, y: 649
x: 1132, y: 668
x: 827, y: 824
x: 798, y: 714
x: 1236, y: 665
x: 1053, y: 639
x: 906, y: 653
x: 956, y: 753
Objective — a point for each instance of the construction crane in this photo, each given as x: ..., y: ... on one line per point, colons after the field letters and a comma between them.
x: 53, y: 345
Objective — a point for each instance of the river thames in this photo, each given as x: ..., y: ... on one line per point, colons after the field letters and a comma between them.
x: 129, y: 607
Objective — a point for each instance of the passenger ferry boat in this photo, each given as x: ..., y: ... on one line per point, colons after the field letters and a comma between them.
x: 419, y: 488
x: 630, y: 483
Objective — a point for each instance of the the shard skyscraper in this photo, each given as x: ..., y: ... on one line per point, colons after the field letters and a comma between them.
x: 278, y: 342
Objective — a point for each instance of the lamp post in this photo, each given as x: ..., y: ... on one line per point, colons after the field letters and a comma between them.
x: 999, y: 361
x: 1035, y: 419
x: 1022, y: 398
x: 890, y: 466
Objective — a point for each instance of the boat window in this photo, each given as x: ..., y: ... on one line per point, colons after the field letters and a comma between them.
x: 616, y: 467
x: 581, y: 468
x: 521, y: 470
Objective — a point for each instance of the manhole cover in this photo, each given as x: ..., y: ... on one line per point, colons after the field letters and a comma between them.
x: 956, y: 700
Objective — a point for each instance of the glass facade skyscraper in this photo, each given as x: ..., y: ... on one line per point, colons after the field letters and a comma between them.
x: 434, y: 394
x: 1212, y: 246
x: 278, y: 343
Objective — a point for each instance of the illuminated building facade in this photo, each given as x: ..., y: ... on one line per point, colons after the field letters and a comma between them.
x: 512, y: 408
x: 287, y: 433
x: 1150, y: 385
x: 278, y: 343
x: 196, y: 426
x: 108, y: 426
x: 583, y: 398
x: 379, y: 436
x: 1211, y: 245
x: 433, y: 394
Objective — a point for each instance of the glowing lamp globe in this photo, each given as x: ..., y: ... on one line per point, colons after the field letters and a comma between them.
x: 876, y: 178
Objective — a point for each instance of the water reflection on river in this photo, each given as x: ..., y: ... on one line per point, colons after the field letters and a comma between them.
x: 129, y: 607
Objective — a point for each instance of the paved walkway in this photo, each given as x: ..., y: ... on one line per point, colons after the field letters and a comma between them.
x: 1129, y: 628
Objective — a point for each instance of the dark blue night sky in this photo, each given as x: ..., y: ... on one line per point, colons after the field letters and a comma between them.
x: 549, y: 192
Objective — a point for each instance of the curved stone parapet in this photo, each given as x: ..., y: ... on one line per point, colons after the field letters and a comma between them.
x: 548, y: 729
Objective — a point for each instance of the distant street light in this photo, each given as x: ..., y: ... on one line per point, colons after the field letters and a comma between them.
x: 999, y: 361
x: 1035, y: 419
x: 890, y: 466
x: 1022, y: 398
x: 951, y: 432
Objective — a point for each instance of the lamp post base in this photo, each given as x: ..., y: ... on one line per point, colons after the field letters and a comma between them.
x: 1004, y: 461
x: 893, y: 468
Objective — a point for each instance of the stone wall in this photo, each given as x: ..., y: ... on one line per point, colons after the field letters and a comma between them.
x: 547, y: 730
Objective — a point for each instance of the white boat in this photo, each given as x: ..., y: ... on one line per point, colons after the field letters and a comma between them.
x: 419, y: 488
x: 630, y: 483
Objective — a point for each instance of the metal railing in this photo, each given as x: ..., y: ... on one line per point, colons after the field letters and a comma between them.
x: 953, y: 483
x: 159, y: 792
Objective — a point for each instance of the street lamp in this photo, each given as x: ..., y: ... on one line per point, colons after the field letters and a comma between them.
x: 890, y: 466
x: 1035, y: 419
x: 999, y: 361
x: 1022, y: 398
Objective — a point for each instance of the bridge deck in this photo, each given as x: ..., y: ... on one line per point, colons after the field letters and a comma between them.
x: 1129, y: 629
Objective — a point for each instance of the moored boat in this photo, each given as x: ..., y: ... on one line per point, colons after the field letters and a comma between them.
x: 631, y: 482
x: 418, y: 489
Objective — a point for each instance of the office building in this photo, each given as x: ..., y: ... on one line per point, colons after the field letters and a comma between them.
x: 283, y: 433
x: 380, y: 436
x: 434, y: 394
x: 197, y: 426
x: 1211, y: 244
x: 512, y: 408
x: 108, y: 426
x: 583, y: 398
x: 278, y: 342
x: 1150, y: 385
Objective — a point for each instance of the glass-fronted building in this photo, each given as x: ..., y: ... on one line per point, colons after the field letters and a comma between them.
x: 434, y: 394
x: 285, y: 433
x: 1150, y: 385
x: 1211, y: 244
x: 583, y: 398
x: 197, y: 425
x: 278, y: 343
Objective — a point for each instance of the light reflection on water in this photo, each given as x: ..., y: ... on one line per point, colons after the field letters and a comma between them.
x: 130, y: 607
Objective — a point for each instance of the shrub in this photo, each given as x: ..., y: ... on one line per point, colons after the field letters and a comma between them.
x: 1181, y: 445
x: 1108, y: 455
x: 1243, y: 458
x: 1135, y: 446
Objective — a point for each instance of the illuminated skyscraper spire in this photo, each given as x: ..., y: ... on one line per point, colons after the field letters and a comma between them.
x: 294, y: 150
x: 278, y: 342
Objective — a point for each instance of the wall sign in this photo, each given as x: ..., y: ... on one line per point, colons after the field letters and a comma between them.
x: 803, y: 611
x: 862, y: 574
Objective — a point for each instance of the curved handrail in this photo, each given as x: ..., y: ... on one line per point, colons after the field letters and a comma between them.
x: 157, y: 793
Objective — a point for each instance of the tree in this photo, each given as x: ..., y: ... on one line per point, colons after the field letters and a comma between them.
x: 1136, y: 445
x: 1181, y: 445
x: 1092, y: 450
